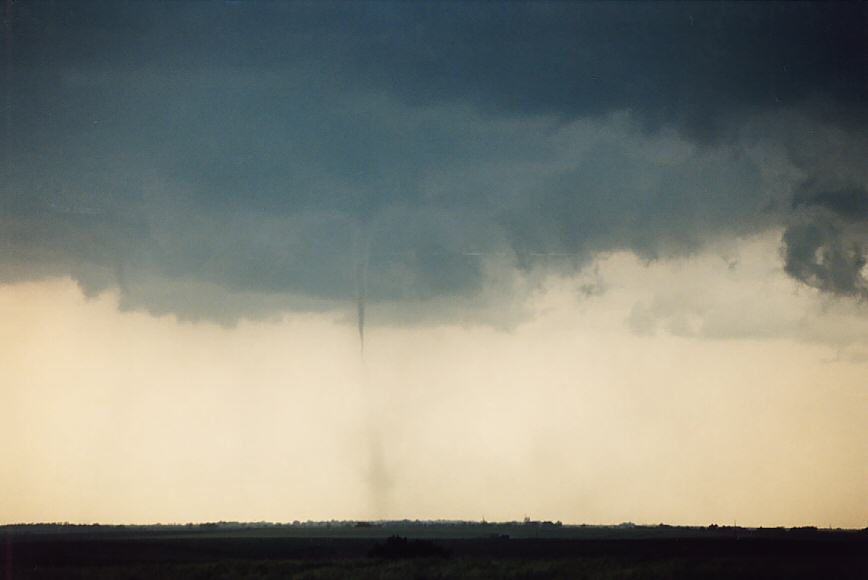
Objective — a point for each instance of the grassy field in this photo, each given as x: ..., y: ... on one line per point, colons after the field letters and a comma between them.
x: 510, y: 552
x: 513, y: 568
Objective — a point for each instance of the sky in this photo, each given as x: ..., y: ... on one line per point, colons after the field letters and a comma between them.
x: 572, y: 261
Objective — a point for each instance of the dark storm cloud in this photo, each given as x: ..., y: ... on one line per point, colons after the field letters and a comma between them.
x: 692, y: 63
x: 829, y: 254
x: 849, y: 203
x: 242, y: 147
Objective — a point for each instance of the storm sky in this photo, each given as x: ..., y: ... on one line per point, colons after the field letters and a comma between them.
x: 608, y: 260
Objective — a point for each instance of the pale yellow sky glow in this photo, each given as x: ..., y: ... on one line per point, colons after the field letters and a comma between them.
x: 688, y: 391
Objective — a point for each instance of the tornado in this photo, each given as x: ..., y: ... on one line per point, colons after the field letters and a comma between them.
x: 362, y: 253
x: 377, y: 474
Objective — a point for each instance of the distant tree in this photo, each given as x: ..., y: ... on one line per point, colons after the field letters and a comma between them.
x: 396, y: 547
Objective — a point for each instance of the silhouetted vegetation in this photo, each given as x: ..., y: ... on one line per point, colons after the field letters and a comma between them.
x: 396, y: 547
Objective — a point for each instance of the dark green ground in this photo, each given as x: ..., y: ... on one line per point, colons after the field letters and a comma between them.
x: 590, y: 568
x: 473, y: 552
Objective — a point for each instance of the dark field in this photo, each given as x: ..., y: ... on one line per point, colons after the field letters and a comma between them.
x: 432, y: 551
